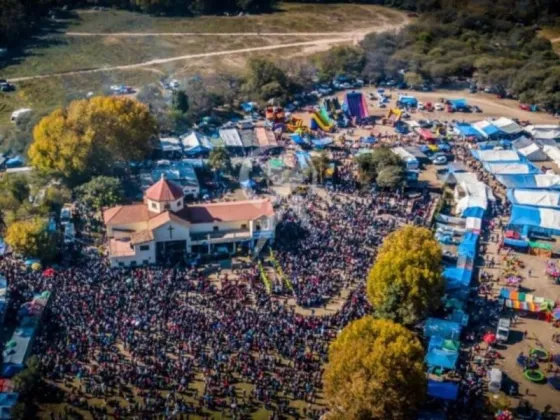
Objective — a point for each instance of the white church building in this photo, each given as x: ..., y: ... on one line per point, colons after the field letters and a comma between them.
x: 163, y: 229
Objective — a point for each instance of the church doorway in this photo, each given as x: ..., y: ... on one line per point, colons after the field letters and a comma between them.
x: 171, y: 252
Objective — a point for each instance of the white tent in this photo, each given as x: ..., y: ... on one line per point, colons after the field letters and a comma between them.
x: 530, y: 150
x: 497, y: 155
x: 231, y: 137
x: 537, y: 198
x: 545, y: 131
x: 553, y: 153
x: 196, y: 140
x: 507, y: 168
x: 508, y: 126
x: 472, y: 194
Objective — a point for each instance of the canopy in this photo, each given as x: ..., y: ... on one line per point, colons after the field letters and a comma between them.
x: 443, y: 390
x: 508, y: 126
x: 487, y: 129
x: 510, y: 168
x: 496, y: 155
x: 535, y: 198
x: 458, y: 103
x: 321, y: 143
x: 196, y: 140
x: 536, y: 217
x: 442, y: 353
x: 265, y: 137
x: 535, y: 181
x: 466, y: 130
x: 426, y: 134
x: 231, y: 137
x: 457, y: 277
x: 442, y: 328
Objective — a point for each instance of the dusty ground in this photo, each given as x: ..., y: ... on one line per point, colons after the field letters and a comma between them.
x: 539, y: 332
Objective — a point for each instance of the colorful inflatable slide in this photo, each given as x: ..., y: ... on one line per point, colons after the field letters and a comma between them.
x: 356, y: 105
x: 394, y: 115
x: 320, y: 119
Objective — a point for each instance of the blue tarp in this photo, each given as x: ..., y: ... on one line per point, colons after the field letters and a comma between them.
x: 408, y: 101
x: 442, y: 328
x: 297, y: 139
x: 438, y: 356
x: 467, y: 130
x: 477, y: 212
x: 443, y: 390
x: 536, y: 181
x: 518, y: 243
x: 536, y: 217
x: 368, y: 140
x: 321, y: 143
x: 457, y: 277
x: 491, y: 130
x: 303, y: 159
x: 468, y: 245
x: 458, y: 103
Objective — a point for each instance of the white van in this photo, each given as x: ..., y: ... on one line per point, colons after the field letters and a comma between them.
x: 439, y: 107
x: 495, y: 380
x: 502, y: 332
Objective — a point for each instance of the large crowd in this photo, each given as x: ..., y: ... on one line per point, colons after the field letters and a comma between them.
x: 126, y: 335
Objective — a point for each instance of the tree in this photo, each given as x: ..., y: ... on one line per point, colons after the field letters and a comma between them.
x: 90, y: 136
x: 201, y: 101
x: 266, y: 80
x: 180, y: 101
x: 219, y: 160
x: 391, y: 177
x: 413, y: 79
x: 405, y: 282
x: 100, y: 192
x: 319, y: 165
x: 31, y: 238
x: 341, y: 61
x: 375, y: 371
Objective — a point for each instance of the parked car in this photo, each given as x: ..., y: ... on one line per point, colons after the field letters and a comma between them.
x: 525, y: 107
x: 439, y: 159
x: 476, y: 108
x: 6, y: 87
x: 438, y: 107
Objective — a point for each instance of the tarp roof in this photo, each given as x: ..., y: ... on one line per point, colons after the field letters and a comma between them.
x: 535, y: 198
x: 457, y: 167
x: 467, y: 177
x: 442, y: 328
x: 467, y: 130
x: 510, y: 168
x: 442, y: 353
x: 249, y: 138
x: 265, y: 137
x: 496, y: 155
x: 474, y: 212
x: 404, y: 154
x: 194, y: 140
x: 486, y: 128
x: 443, y: 390
x: 535, y: 181
x: 553, y: 153
x: 508, y: 126
x: 457, y: 277
x: 458, y: 103
x: 545, y: 131
x: 231, y: 137
x: 535, y: 216
x: 426, y: 134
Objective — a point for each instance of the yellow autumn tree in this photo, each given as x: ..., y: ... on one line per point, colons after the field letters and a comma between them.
x: 405, y: 282
x: 375, y: 371
x: 31, y: 238
x: 90, y: 136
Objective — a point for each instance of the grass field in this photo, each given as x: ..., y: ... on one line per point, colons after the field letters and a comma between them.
x: 53, y: 51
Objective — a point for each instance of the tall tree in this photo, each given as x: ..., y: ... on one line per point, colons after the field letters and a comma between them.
x: 100, y: 192
x: 219, y: 160
x: 180, y: 101
x: 90, y: 136
x: 31, y: 238
x: 375, y: 371
x: 405, y: 282
x: 319, y: 166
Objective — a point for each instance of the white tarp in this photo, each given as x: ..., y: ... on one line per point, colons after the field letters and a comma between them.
x: 467, y: 177
x: 498, y: 156
x: 194, y: 140
x: 231, y: 137
x: 553, y: 153
x: 407, y: 157
x: 507, y: 168
x: 507, y: 125
x: 469, y: 195
x: 550, y: 218
x: 546, y: 131
x: 473, y: 223
x: 546, y: 181
x: 539, y: 198
x: 533, y: 152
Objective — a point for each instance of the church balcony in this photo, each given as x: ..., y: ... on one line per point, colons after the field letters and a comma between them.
x: 221, y: 237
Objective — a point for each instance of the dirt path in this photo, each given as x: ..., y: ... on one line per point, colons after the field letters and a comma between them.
x: 314, y: 45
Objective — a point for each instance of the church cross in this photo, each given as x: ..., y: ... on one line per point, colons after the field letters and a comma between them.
x: 171, y: 229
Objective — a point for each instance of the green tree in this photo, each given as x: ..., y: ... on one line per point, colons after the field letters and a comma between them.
x: 180, y: 101
x: 31, y: 238
x: 101, y: 192
x: 219, y: 160
x: 319, y: 165
x: 90, y: 136
x: 405, y: 283
x: 26, y: 381
x: 266, y: 80
x: 340, y: 61
x: 375, y: 371
x: 391, y: 177
x: 371, y: 165
x: 413, y: 79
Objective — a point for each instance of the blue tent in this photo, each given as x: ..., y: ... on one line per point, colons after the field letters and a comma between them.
x: 441, y: 356
x: 476, y: 212
x: 297, y: 139
x: 467, y: 130
x: 458, y: 103
x: 368, y: 140
x: 536, y: 218
x: 443, y: 390
x: 322, y: 143
x: 467, y: 247
x: 442, y: 328
x: 457, y: 277
x: 408, y: 101
x: 303, y: 159
x: 536, y: 181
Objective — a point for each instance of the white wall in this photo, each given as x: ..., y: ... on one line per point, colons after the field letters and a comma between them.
x: 180, y: 232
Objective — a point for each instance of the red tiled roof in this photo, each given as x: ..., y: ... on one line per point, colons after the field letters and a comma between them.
x: 121, y: 215
x: 164, y: 190
x: 163, y: 218
x: 228, y: 212
x: 141, y: 237
x: 121, y: 248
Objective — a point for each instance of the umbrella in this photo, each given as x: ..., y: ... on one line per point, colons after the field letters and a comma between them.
x: 11, y: 344
x: 489, y: 338
x: 556, y: 313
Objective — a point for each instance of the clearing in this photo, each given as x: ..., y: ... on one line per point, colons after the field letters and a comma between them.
x: 94, y: 50
x: 552, y: 33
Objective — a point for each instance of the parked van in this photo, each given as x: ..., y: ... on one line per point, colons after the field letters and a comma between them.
x: 502, y: 332
x: 495, y: 380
